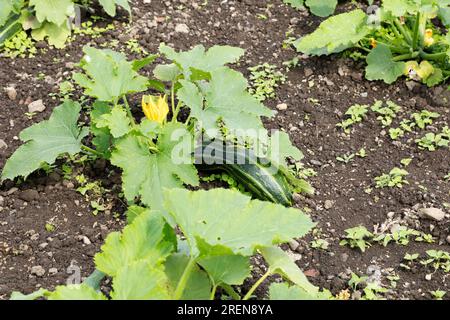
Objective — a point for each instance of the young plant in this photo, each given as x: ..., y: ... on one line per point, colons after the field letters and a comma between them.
x: 438, y: 294
x: 400, y: 236
x: 439, y: 259
x: 221, y: 231
x: 386, y: 113
x: 356, y: 114
x: 357, y: 237
x: 264, y: 80
x: 45, y: 19
x: 424, y: 118
x: 395, y: 178
x: 346, y: 158
x: 401, y: 38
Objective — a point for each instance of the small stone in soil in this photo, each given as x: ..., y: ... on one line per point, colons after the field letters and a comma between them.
x: 328, y: 204
x: 282, y: 106
x: 432, y: 213
x: 11, y: 92
x: 3, y: 144
x: 29, y: 195
x: 36, y: 106
x: 37, y: 271
x: 181, y: 28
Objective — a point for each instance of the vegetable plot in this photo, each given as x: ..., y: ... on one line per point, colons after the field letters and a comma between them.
x: 398, y: 39
x: 158, y: 155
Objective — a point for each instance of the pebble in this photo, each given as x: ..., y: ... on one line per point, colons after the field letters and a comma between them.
x: 282, y: 106
x: 316, y: 163
x: 52, y: 271
x: 37, y: 271
x: 36, y: 106
x: 328, y: 204
x: 3, y: 144
x: 448, y: 239
x: 428, y: 277
x: 344, y: 257
x: 29, y: 195
x: 2, y: 201
x: 432, y: 213
x: 390, y: 215
x: 11, y: 92
x: 293, y: 244
x: 181, y: 28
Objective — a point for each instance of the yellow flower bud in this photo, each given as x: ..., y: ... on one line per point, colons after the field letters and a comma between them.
x: 428, y: 38
x: 155, y: 108
x: 373, y: 42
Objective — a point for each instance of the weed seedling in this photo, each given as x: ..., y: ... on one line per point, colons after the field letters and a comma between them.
x: 264, y: 80
x: 386, y: 113
x: 346, y: 158
x: 424, y: 118
x: 355, y: 115
x: 395, y: 178
x: 438, y: 294
x: 357, y: 238
x: 320, y: 244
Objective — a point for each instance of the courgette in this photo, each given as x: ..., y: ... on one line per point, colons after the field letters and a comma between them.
x: 256, y: 174
x: 10, y: 29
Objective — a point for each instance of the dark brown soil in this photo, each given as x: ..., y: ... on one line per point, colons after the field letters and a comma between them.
x: 318, y: 92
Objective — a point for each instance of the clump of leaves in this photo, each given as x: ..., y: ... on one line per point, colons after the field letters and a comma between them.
x: 395, y: 178
x: 264, y: 79
x: 439, y: 259
x: 400, y: 236
x: 400, y: 38
x: 321, y: 8
x: 19, y: 45
x: 355, y: 115
x: 432, y: 141
x: 147, y: 260
x: 386, y: 113
x: 357, y: 237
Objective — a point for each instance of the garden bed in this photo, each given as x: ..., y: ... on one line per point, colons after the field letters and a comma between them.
x: 46, y: 226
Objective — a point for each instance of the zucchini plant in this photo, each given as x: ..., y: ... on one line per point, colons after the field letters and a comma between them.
x: 222, y: 229
x: 201, y: 101
x: 46, y: 19
x: 400, y: 38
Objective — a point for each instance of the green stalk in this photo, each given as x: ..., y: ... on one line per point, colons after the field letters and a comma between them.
x: 213, y: 292
x: 415, y: 39
x: 230, y: 291
x: 127, y: 106
x: 172, y: 96
x: 406, y: 56
x: 184, y: 279
x: 432, y: 56
x: 256, y: 285
x: 403, y: 31
x: 90, y: 150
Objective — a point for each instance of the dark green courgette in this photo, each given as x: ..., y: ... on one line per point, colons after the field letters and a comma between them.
x: 10, y: 29
x: 254, y: 173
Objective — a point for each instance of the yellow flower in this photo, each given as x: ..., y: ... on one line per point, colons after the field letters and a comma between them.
x: 343, y: 295
x: 373, y: 42
x: 155, y: 108
x: 428, y: 38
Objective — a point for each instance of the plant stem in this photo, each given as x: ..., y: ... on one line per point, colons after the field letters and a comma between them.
x: 233, y: 294
x: 403, y: 31
x: 213, y: 292
x: 90, y: 150
x: 405, y: 56
x: 256, y: 285
x: 184, y: 279
x: 127, y: 106
x: 416, y: 32
x: 432, y: 56
x: 172, y: 95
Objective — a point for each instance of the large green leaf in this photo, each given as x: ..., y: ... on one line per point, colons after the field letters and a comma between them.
x: 381, y: 66
x: 109, y: 75
x: 296, y: 4
x: 231, y: 219
x: 280, y: 263
x: 45, y: 141
x: 335, y: 34
x: 225, y: 98
x: 146, y: 174
x: 140, y: 280
x: 6, y: 7
x: 75, y: 292
x: 116, y: 121
x: 200, y: 59
x: 103, y: 138
x: 400, y: 7
x: 222, y: 265
x: 56, y: 35
x: 55, y: 11
x: 198, y: 285
x: 147, y: 238
x: 322, y: 8
x: 110, y: 6
x: 282, y: 291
